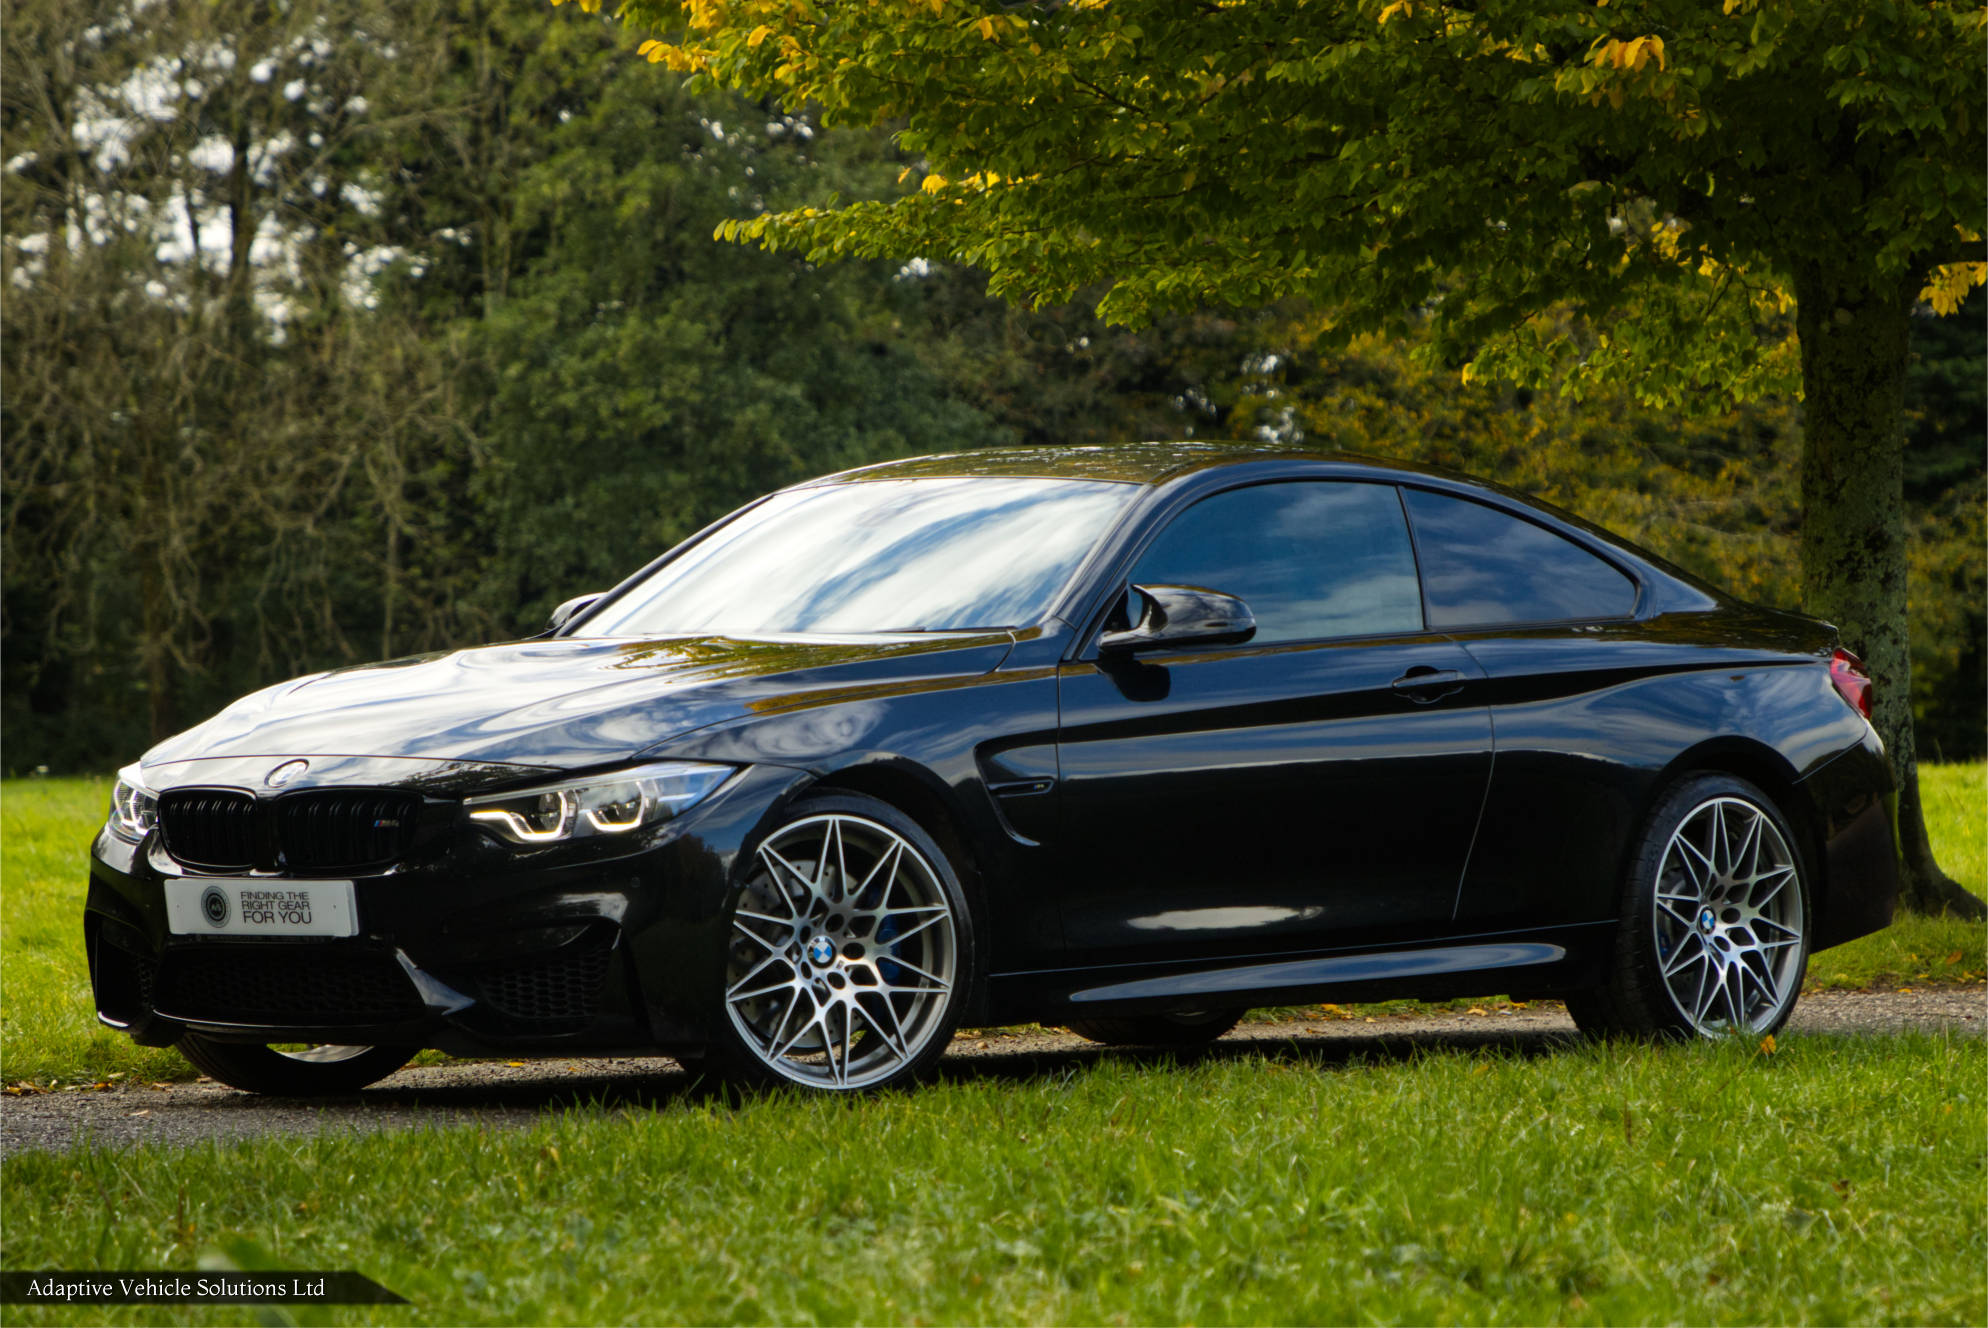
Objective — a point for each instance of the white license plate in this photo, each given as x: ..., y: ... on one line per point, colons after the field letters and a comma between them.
x: 220, y: 906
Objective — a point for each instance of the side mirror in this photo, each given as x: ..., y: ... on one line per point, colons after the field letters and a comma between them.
x: 568, y: 611
x: 1179, y: 615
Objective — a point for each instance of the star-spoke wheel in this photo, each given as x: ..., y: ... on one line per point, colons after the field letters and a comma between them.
x: 845, y: 954
x: 1728, y: 919
x: 1713, y: 933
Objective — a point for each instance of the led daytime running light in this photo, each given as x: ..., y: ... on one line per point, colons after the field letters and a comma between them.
x: 134, y: 809
x: 616, y: 803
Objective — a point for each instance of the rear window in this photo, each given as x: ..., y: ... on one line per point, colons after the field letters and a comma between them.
x: 1482, y: 567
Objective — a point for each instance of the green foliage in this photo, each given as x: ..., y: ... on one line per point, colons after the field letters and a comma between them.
x: 449, y: 351
x: 1488, y: 162
x: 639, y: 380
x: 1582, y: 1184
x: 491, y: 356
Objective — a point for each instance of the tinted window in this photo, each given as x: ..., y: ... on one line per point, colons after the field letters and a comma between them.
x: 877, y: 556
x: 1481, y: 566
x: 1310, y: 559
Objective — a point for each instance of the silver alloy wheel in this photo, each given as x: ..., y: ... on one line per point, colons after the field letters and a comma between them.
x: 843, y: 953
x: 1729, y: 919
x: 324, y: 1053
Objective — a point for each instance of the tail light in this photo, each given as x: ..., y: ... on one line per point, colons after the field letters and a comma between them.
x: 1852, y: 682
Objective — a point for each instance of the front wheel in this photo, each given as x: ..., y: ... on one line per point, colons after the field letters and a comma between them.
x: 850, y: 952
x: 313, y: 1071
x: 1714, y: 932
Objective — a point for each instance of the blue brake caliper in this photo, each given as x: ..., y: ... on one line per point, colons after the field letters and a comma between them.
x: 886, y: 970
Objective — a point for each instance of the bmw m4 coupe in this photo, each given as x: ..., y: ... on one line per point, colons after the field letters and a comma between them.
x: 1124, y: 739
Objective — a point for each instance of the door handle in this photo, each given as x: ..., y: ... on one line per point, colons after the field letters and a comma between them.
x: 1423, y: 684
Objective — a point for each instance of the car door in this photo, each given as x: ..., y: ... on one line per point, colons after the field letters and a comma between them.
x: 1313, y: 788
x: 1551, y: 624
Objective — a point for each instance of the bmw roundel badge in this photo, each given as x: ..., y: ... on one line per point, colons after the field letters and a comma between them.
x: 286, y: 772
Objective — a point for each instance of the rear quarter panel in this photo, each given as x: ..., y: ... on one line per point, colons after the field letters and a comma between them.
x: 1592, y: 722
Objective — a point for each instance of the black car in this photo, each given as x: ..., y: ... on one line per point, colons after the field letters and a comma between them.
x: 1126, y: 739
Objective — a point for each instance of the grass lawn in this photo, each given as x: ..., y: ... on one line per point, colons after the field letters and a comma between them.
x: 49, y: 1032
x: 1824, y: 1180
x: 48, y: 1023
x: 1834, y: 1180
x: 1918, y: 949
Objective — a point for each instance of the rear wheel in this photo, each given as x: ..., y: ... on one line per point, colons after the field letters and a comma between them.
x: 1713, y: 940
x: 850, y: 952
x: 292, y: 1071
x: 1185, y: 1029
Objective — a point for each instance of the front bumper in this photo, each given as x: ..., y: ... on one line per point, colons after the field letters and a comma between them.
x: 467, y: 946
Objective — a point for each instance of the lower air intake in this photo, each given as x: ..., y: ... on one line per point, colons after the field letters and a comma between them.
x: 237, y: 985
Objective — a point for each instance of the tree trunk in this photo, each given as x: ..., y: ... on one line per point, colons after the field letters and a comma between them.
x: 1854, y: 357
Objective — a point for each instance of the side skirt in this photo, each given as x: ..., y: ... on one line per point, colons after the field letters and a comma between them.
x: 1528, y: 963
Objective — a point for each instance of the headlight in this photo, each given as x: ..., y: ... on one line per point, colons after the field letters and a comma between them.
x: 610, y: 804
x: 134, y: 809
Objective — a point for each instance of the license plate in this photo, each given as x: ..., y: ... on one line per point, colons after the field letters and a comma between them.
x: 219, y: 906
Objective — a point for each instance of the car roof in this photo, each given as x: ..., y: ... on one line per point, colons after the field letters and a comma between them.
x: 1161, y: 463
x: 1127, y: 463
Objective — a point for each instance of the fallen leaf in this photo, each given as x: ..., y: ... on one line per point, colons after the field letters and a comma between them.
x: 1477, y: 1009
x: 142, y: 1111
x: 1767, y: 1045
x: 1954, y: 958
x: 516, y: 1065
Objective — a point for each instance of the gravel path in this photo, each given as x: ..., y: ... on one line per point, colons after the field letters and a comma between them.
x: 497, y: 1093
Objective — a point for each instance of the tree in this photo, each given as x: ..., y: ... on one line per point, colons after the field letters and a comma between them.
x: 1710, y: 170
x: 209, y: 445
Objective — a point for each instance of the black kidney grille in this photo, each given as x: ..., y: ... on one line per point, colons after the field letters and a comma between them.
x: 337, y: 829
x: 212, y: 828
x: 561, y: 986
x: 234, y: 985
x: 316, y: 831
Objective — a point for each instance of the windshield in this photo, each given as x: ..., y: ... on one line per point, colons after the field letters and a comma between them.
x: 876, y: 556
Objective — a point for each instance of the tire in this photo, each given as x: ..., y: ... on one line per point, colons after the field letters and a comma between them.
x: 850, y: 952
x: 320, y: 1071
x: 1187, y: 1029
x: 1714, y: 934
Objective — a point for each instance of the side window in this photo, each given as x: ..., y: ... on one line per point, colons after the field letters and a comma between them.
x: 1481, y: 566
x: 1311, y: 558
